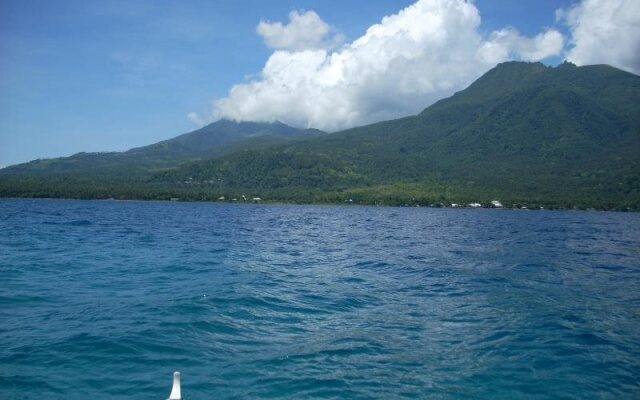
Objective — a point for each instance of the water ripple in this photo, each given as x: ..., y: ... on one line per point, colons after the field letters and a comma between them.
x: 105, y: 299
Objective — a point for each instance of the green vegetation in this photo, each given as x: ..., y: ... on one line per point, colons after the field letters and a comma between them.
x: 216, y: 139
x: 523, y: 133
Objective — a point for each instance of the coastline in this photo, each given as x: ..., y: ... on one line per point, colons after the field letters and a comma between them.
x: 342, y: 204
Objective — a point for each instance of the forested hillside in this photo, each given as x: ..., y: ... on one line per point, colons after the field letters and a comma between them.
x: 524, y: 133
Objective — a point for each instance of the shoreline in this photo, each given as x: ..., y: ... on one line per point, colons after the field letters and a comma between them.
x: 342, y: 204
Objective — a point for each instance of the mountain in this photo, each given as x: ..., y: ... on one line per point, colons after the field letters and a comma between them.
x: 218, y: 137
x: 210, y: 141
x: 524, y: 133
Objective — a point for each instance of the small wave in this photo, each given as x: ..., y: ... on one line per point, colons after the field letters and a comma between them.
x: 79, y: 222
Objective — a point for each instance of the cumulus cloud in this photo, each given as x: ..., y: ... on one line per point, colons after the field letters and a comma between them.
x: 425, y: 52
x: 304, y: 31
x: 604, y: 32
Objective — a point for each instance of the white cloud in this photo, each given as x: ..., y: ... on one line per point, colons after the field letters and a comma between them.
x: 303, y: 32
x: 196, y: 119
x: 508, y: 44
x: 410, y: 59
x: 604, y: 32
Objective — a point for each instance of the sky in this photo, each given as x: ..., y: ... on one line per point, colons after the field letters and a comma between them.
x: 89, y: 75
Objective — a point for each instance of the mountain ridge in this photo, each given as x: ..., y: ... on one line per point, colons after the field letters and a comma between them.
x: 524, y: 131
x: 209, y: 141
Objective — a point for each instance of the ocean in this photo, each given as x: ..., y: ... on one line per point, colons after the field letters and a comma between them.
x: 105, y: 299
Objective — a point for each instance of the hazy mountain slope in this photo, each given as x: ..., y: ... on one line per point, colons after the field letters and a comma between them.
x: 563, y: 132
x: 212, y: 140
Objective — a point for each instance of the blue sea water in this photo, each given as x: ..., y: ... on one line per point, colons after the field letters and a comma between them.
x: 105, y: 299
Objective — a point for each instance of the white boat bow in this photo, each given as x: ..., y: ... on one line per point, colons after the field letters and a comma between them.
x: 175, y: 390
